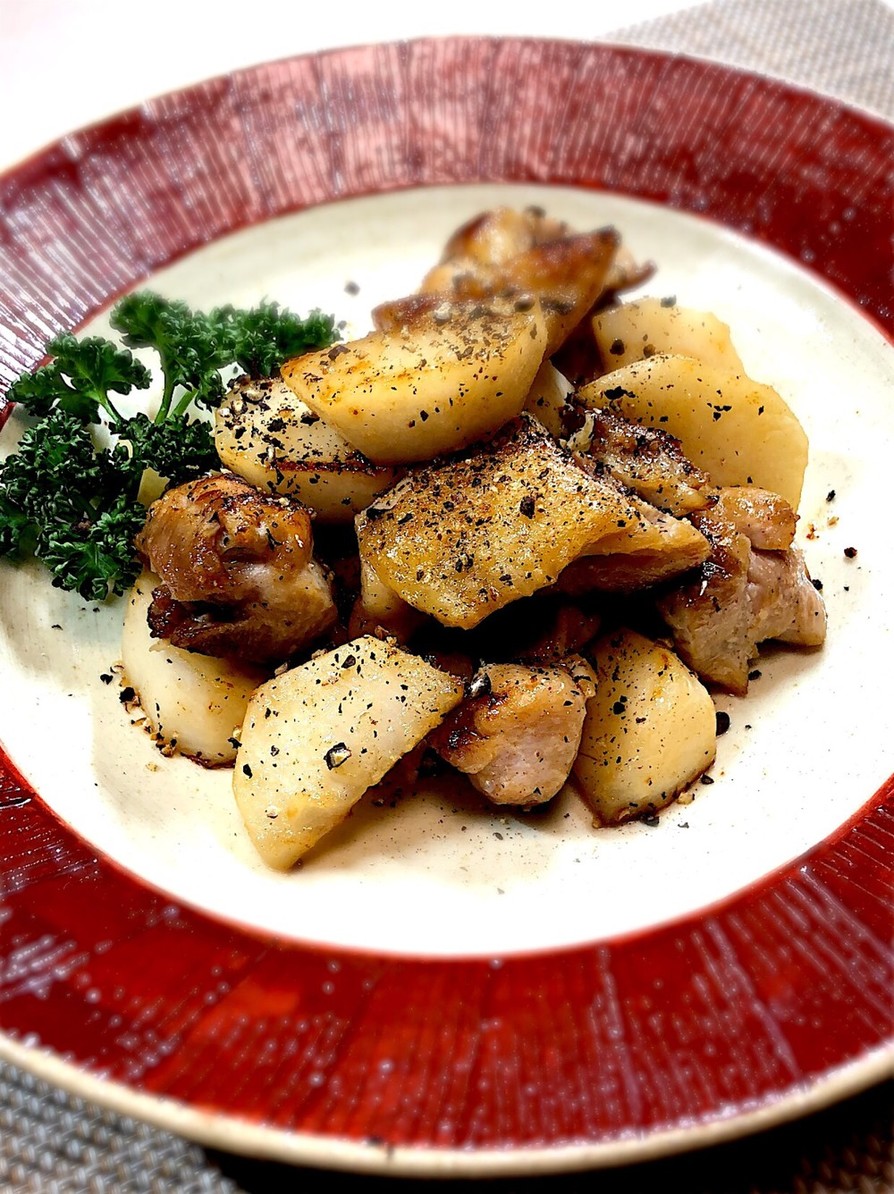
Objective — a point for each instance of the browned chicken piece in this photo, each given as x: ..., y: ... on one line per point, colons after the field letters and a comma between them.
x: 565, y: 630
x: 518, y: 734
x: 785, y: 605
x: 742, y: 596
x: 629, y: 572
x: 766, y: 518
x: 647, y: 460
x: 238, y: 573
x: 513, y: 255
x: 625, y: 272
x: 495, y: 237
x: 463, y: 538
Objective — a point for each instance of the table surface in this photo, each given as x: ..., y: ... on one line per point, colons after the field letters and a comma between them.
x: 67, y: 63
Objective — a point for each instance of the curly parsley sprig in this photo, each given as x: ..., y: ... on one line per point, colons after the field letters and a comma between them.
x: 72, y: 503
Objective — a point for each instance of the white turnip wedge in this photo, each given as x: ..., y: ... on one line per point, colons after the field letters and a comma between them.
x: 193, y: 703
x: 430, y: 388
x: 640, y: 329
x: 270, y: 437
x: 738, y: 431
x: 650, y: 729
x: 317, y: 737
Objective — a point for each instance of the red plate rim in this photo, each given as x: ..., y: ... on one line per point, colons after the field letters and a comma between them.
x: 603, y: 1052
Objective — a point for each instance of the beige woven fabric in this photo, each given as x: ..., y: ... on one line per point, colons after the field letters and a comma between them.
x: 842, y: 47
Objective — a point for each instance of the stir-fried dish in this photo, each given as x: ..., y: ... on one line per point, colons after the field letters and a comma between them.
x: 521, y: 528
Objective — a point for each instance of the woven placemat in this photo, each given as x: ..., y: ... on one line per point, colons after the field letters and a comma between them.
x: 56, y: 1143
x: 842, y: 47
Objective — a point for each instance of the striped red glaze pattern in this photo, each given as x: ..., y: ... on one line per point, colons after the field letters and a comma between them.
x: 688, y: 1023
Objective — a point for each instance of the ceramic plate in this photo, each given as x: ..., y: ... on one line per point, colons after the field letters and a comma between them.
x: 446, y: 989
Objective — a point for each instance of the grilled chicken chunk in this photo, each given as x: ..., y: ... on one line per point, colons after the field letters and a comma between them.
x: 496, y: 237
x: 237, y: 571
x: 669, y: 554
x: 518, y: 737
x: 646, y: 459
x: 462, y: 539
x: 512, y: 254
x: 744, y: 594
x: 784, y: 602
x: 766, y: 518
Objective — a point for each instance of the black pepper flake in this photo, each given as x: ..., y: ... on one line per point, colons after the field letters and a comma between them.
x: 755, y: 675
x: 650, y: 819
x: 351, y: 288
x: 706, y: 779
x: 526, y: 507
x: 722, y: 720
x: 669, y: 300
x: 349, y: 661
x: 817, y: 584
x: 126, y: 695
x: 246, y: 770
x: 106, y: 678
x: 616, y: 348
x: 850, y: 552
x: 336, y: 755
x: 830, y: 496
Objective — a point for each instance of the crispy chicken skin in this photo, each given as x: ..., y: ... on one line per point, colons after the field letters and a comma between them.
x: 631, y: 572
x: 518, y: 737
x: 462, y: 538
x: 744, y: 594
x: 766, y: 518
x: 509, y: 254
x: 238, y: 573
x: 645, y: 459
x: 495, y: 237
